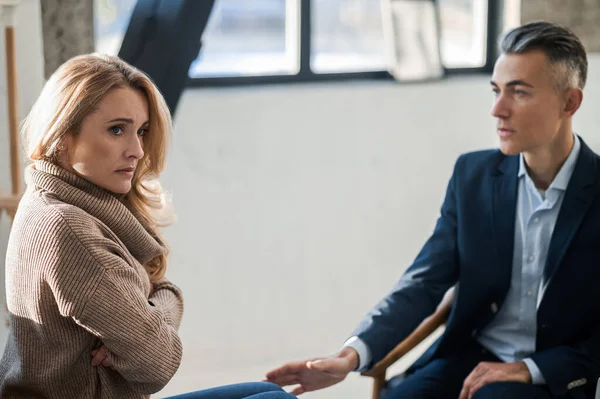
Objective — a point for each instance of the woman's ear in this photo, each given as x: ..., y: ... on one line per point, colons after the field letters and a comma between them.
x: 62, y: 149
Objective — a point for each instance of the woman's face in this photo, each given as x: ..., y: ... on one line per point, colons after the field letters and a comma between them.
x: 111, y: 141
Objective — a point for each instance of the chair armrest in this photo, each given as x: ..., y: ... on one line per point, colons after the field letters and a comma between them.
x: 425, y: 329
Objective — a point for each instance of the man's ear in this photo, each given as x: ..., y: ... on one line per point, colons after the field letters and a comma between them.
x: 574, y: 97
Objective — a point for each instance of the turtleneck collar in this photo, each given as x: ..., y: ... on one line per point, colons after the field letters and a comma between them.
x: 102, y: 204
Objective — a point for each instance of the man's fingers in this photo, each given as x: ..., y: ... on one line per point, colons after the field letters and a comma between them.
x: 477, y: 385
x: 471, y: 378
x: 298, y: 391
x: 290, y: 368
x: 319, y: 365
x: 325, y: 365
x: 285, y: 380
x: 479, y: 377
x: 473, y: 389
x: 290, y: 379
x: 464, y: 393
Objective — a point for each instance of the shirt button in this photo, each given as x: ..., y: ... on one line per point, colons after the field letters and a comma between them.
x: 529, y: 293
x: 531, y: 258
x: 494, y: 307
x: 474, y: 333
x: 535, y: 220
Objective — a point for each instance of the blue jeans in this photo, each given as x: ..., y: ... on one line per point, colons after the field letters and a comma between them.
x: 250, y: 390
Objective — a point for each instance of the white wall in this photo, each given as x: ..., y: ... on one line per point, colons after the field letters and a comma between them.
x: 299, y: 206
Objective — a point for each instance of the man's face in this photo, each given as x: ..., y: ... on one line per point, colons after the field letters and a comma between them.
x: 527, y: 107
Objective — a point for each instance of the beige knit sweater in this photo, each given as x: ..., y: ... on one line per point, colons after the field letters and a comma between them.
x: 75, y: 281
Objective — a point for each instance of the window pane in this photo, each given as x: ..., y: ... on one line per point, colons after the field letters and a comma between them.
x: 260, y: 37
x: 414, y: 46
x: 347, y: 36
x: 243, y: 37
x: 111, y: 18
x: 248, y: 37
x: 464, y: 32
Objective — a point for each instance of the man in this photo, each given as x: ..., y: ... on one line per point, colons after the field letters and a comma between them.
x: 519, y: 234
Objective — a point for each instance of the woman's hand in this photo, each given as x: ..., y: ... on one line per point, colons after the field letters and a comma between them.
x: 100, y: 357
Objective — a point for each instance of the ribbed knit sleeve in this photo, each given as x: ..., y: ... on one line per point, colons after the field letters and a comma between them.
x: 168, y: 298
x: 142, y: 345
x: 107, y: 297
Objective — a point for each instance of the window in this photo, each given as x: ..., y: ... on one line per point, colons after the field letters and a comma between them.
x: 463, y: 33
x: 247, y: 38
x: 254, y: 41
x: 111, y: 18
x: 346, y: 36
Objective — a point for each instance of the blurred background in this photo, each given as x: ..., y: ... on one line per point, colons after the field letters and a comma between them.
x: 251, y: 37
x: 305, y: 178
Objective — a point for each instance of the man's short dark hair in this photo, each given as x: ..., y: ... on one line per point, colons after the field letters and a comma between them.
x: 565, y: 52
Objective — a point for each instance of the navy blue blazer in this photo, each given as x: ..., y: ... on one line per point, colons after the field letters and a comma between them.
x: 472, y: 245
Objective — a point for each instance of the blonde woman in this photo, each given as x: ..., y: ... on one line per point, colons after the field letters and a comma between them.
x: 91, y: 313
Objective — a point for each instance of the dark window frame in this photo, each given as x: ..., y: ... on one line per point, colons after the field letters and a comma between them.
x: 306, y: 75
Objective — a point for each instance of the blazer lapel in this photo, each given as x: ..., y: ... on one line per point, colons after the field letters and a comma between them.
x: 504, y: 203
x: 577, y: 200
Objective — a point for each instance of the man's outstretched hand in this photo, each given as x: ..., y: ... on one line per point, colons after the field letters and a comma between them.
x: 315, y: 374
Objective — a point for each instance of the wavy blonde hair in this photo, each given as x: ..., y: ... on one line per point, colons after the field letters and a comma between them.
x: 74, y: 91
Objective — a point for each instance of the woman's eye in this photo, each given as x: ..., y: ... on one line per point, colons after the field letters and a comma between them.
x: 116, y: 130
x: 142, y: 132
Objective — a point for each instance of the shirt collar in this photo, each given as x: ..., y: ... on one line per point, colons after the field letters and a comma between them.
x: 561, y: 180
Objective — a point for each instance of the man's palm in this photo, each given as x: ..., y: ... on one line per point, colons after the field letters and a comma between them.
x: 311, y: 375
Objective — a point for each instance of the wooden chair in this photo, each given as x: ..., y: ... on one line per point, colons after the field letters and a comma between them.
x: 424, y: 330
x: 9, y: 202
